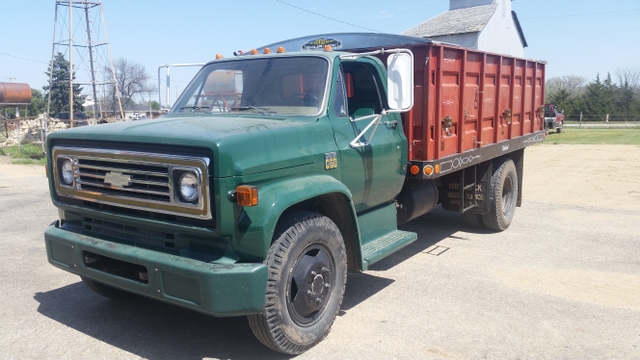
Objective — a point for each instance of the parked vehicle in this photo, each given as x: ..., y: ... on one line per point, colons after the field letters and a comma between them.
x: 79, y: 118
x: 552, y: 118
x: 275, y: 172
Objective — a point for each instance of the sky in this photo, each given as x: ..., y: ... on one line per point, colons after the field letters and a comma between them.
x: 574, y: 37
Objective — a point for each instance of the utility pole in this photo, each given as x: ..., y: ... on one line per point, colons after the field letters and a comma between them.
x: 10, y: 78
x: 94, y: 65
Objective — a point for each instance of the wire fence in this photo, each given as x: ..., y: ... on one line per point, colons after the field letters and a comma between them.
x: 614, y: 118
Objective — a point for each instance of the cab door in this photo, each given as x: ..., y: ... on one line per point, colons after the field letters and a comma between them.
x: 374, y: 173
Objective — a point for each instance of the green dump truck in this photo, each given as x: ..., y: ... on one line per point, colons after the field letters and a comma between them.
x: 278, y: 170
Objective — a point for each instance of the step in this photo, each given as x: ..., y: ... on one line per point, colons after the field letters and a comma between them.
x: 386, y: 245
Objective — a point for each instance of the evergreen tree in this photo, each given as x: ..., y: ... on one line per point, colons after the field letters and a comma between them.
x: 60, y: 87
x: 597, y: 101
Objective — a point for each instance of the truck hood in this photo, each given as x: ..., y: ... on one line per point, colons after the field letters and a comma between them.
x: 241, y: 145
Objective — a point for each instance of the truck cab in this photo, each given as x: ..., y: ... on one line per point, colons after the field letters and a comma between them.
x: 553, y: 119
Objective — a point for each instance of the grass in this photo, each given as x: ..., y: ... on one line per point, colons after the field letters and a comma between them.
x: 30, y: 154
x: 629, y: 136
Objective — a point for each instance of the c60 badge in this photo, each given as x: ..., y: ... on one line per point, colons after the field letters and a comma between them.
x: 330, y: 160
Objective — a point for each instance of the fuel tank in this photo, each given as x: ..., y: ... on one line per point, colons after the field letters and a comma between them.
x: 15, y: 94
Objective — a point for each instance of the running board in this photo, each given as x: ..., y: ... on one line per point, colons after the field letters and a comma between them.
x: 386, y: 245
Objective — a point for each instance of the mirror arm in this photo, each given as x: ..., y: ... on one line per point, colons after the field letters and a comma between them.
x: 376, y: 121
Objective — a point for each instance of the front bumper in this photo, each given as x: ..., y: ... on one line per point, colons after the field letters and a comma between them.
x: 214, y: 289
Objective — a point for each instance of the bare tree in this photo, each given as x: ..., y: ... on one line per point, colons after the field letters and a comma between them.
x: 132, y: 81
x: 573, y: 85
x: 629, y: 77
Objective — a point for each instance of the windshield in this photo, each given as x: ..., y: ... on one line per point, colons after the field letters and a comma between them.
x: 284, y: 85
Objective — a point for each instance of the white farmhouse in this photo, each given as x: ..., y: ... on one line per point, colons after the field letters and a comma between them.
x: 487, y: 25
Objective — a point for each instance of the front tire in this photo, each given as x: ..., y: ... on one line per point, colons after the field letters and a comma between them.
x: 307, y: 274
x: 504, y: 196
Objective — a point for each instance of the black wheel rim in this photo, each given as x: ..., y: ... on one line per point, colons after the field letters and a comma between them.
x: 310, y: 284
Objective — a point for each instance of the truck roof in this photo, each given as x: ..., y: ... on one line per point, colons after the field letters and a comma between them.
x: 346, y: 41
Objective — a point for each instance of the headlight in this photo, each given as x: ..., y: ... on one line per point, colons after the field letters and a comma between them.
x: 66, y: 170
x: 189, y: 186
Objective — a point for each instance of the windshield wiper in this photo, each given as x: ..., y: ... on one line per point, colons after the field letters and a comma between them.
x: 259, y: 109
x: 196, y: 108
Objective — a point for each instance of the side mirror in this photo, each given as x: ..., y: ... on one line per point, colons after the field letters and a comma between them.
x: 400, y: 81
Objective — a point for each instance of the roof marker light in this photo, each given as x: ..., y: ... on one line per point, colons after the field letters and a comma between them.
x: 280, y: 50
x: 266, y: 51
x: 219, y: 56
x: 254, y: 52
x: 328, y: 48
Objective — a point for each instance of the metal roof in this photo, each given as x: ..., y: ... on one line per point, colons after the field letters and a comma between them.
x: 460, y: 21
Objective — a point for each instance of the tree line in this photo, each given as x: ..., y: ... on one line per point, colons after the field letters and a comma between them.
x: 597, y: 100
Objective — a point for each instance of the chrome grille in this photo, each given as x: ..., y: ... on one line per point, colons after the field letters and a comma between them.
x: 146, y: 182
x: 134, y: 180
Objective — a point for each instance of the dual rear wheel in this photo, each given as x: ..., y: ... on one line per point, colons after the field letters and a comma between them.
x: 503, y: 195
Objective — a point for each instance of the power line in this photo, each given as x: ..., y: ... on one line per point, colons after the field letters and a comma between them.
x: 581, y: 15
x: 326, y: 17
x: 21, y: 58
x: 582, y: 31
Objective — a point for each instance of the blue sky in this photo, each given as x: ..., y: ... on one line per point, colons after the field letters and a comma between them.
x: 575, y: 37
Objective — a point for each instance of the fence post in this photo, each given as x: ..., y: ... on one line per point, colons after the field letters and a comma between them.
x: 579, y: 126
x: 607, y: 117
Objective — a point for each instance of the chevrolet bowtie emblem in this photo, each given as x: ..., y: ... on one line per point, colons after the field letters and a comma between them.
x: 117, y: 179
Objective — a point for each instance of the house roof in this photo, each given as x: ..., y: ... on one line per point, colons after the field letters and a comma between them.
x: 460, y: 21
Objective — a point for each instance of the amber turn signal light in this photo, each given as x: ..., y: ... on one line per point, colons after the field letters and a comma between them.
x: 247, y: 195
x: 428, y: 170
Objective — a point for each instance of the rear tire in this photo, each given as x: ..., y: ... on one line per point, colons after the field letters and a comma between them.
x: 106, y: 290
x: 307, y: 274
x: 503, y: 195
x: 473, y: 220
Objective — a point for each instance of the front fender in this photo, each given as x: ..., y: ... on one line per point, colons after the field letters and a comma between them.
x: 256, y: 224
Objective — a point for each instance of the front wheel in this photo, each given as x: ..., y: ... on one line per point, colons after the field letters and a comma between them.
x: 504, y: 197
x: 307, y: 274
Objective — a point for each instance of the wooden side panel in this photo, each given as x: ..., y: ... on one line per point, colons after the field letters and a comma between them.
x: 471, y: 100
x: 473, y: 89
x: 451, y: 63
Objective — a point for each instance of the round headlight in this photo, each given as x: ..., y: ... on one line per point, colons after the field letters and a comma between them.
x: 67, y: 172
x: 188, y: 186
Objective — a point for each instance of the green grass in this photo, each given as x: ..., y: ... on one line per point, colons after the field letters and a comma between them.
x: 595, y: 136
x: 30, y: 154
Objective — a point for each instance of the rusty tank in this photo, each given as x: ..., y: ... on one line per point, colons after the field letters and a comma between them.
x: 15, y: 94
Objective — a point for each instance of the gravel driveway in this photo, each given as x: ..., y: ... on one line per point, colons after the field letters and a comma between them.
x: 562, y: 282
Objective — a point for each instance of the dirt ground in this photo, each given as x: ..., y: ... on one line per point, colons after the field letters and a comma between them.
x: 563, y: 282
x: 586, y: 175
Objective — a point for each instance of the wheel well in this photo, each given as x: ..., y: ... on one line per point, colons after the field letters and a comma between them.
x: 336, y: 207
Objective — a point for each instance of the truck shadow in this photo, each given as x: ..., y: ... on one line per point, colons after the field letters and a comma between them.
x: 152, y: 329
x: 431, y: 228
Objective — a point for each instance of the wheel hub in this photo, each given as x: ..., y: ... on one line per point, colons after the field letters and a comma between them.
x: 310, y: 285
